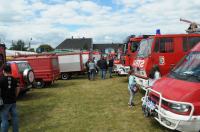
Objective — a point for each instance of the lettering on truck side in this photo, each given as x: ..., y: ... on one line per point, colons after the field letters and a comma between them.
x: 139, y: 63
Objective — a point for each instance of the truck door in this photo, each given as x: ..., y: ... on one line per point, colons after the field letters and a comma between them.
x: 163, y: 54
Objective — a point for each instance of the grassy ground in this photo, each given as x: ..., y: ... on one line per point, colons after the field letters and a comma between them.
x: 79, y: 105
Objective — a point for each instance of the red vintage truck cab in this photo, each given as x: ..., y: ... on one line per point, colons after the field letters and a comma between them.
x: 130, y: 52
x: 45, y: 67
x: 174, y: 100
x: 162, y: 51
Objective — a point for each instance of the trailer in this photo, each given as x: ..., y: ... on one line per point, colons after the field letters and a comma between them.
x: 45, y: 67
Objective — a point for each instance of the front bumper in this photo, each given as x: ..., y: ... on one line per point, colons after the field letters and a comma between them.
x: 122, y: 70
x: 169, y: 119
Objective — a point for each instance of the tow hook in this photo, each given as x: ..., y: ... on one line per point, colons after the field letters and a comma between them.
x: 148, y: 112
x: 145, y: 111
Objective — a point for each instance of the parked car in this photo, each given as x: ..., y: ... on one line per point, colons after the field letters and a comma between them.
x: 174, y: 100
x: 45, y: 67
x: 22, y: 71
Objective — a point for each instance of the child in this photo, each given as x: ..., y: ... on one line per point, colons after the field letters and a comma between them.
x: 132, y: 88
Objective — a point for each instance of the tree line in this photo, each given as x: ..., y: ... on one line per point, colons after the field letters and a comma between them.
x: 20, y: 45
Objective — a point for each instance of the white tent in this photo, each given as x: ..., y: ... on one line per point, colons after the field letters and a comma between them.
x: 15, y: 52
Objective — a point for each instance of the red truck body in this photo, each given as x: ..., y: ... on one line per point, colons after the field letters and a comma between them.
x: 163, y: 51
x: 45, y: 67
x: 175, y: 97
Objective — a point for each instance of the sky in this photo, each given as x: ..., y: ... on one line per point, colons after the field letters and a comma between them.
x: 105, y: 21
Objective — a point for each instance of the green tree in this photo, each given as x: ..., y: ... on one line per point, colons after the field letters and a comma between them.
x: 44, y: 48
x: 32, y: 49
x: 85, y: 47
x: 19, y: 45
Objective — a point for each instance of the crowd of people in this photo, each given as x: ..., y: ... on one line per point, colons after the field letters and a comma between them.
x: 101, y: 66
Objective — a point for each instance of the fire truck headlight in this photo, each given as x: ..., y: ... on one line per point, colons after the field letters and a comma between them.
x: 179, y: 107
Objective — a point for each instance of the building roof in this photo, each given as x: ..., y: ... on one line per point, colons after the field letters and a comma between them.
x: 102, y: 47
x: 76, y: 43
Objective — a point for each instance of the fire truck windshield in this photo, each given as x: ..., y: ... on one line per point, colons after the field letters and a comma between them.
x: 145, y: 47
x: 188, y: 68
x: 134, y: 46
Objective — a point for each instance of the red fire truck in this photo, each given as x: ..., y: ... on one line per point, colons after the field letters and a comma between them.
x: 174, y: 100
x: 130, y: 52
x: 45, y: 67
x: 162, y: 51
x: 74, y: 63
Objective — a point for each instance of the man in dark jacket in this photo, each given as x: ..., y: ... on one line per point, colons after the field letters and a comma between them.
x: 9, y: 93
x: 110, y: 66
x: 87, y: 68
x: 102, y: 64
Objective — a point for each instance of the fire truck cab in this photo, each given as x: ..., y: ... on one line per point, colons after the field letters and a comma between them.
x: 130, y: 52
x: 174, y: 100
x: 162, y: 51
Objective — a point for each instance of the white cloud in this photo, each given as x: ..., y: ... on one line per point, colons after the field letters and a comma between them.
x: 51, y: 23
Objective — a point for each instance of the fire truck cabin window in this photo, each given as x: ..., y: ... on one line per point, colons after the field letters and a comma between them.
x: 189, y: 42
x: 164, y: 45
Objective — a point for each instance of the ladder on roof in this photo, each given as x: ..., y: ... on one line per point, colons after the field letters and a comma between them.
x: 193, y: 28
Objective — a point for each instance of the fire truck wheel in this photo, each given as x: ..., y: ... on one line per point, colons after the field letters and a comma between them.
x: 65, y: 76
x: 39, y: 84
x: 28, y: 76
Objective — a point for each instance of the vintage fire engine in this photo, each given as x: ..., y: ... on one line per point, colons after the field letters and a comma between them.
x: 162, y: 51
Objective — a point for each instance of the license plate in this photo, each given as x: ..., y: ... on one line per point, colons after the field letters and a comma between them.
x: 141, y: 82
x: 151, y: 105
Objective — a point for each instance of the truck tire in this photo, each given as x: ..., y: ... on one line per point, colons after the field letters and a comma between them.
x: 39, y: 84
x: 65, y: 76
x: 28, y: 76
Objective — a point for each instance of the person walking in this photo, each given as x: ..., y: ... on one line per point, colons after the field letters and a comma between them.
x: 132, y: 88
x: 154, y: 75
x: 102, y: 64
x: 110, y: 66
x: 9, y: 93
x: 87, y: 68
x: 92, y: 69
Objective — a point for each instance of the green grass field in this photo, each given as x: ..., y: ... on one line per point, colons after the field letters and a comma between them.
x: 79, y: 105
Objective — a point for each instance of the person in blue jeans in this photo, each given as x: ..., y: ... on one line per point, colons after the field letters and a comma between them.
x: 102, y: 64
x: 92, y: 69
x: 9, y: 93
x: 132, y: 88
